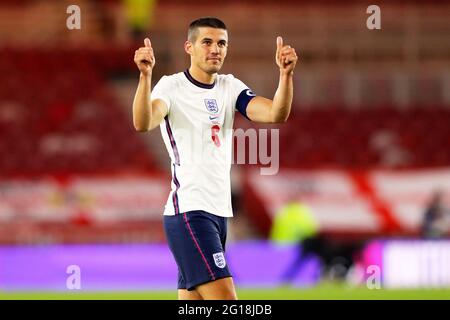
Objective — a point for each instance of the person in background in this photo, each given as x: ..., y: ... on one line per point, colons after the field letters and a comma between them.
x: 139, y: 14
x: 434, y: 223
x: 294, y: 224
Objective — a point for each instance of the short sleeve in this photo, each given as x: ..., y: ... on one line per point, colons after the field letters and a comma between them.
x: 162, y: 91
x: 243, y: 96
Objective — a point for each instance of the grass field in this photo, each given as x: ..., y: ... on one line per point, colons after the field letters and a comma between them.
x: 324, y: 291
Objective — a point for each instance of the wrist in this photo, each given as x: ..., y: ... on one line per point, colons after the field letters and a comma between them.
x: 146, y: 76
x: 286, y: 74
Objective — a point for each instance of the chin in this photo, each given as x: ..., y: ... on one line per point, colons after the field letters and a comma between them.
x: 215, y: 69
x: 212, y: 69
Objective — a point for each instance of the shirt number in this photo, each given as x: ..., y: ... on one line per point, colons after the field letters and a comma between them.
x: 214, y: 135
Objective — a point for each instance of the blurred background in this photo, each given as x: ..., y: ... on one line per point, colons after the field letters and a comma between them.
x: 362, y: 196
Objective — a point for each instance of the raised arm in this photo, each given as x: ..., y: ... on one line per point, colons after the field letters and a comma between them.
x: 147, y: 115
x: 264, y: 110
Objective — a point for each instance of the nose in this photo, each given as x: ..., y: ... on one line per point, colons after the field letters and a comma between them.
x: 215, y: 48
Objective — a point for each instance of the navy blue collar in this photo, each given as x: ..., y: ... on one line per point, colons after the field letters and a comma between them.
x: 198, y: 83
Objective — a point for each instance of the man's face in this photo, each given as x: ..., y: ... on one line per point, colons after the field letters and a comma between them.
x: 209, y: 49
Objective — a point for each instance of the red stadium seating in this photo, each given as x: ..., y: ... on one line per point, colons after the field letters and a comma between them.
x: 57, y: 116
x: 364, y: 139
x: 339, y: 138
x: 66, y: 119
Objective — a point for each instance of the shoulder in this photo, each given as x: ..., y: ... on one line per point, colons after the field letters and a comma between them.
x: 170, y: 79
x: 229, y: 80
x: 226, y: 78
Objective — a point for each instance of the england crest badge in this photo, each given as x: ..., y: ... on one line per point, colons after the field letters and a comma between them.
x: 219, y: 260
x: 211, y: 105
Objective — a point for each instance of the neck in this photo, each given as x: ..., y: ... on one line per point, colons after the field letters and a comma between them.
x: 202, y: 76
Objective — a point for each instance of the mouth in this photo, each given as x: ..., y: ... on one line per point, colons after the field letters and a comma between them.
x: 215, y: 59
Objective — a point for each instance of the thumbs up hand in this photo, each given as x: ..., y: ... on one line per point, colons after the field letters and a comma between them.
x: 144, y: 58
x: 285, y: 57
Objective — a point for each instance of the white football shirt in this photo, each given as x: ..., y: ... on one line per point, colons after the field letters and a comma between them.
x: 198, y: 134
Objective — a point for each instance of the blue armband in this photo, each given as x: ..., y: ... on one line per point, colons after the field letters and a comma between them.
x: 242, y: 101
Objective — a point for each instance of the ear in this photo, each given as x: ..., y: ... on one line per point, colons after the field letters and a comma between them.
x: 188, y: 47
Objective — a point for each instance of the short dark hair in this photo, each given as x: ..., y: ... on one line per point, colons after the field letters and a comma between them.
x: 210, y: 22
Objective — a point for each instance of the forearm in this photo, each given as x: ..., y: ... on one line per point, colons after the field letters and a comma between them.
x: 282, y: 101
x: 142, y: 111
